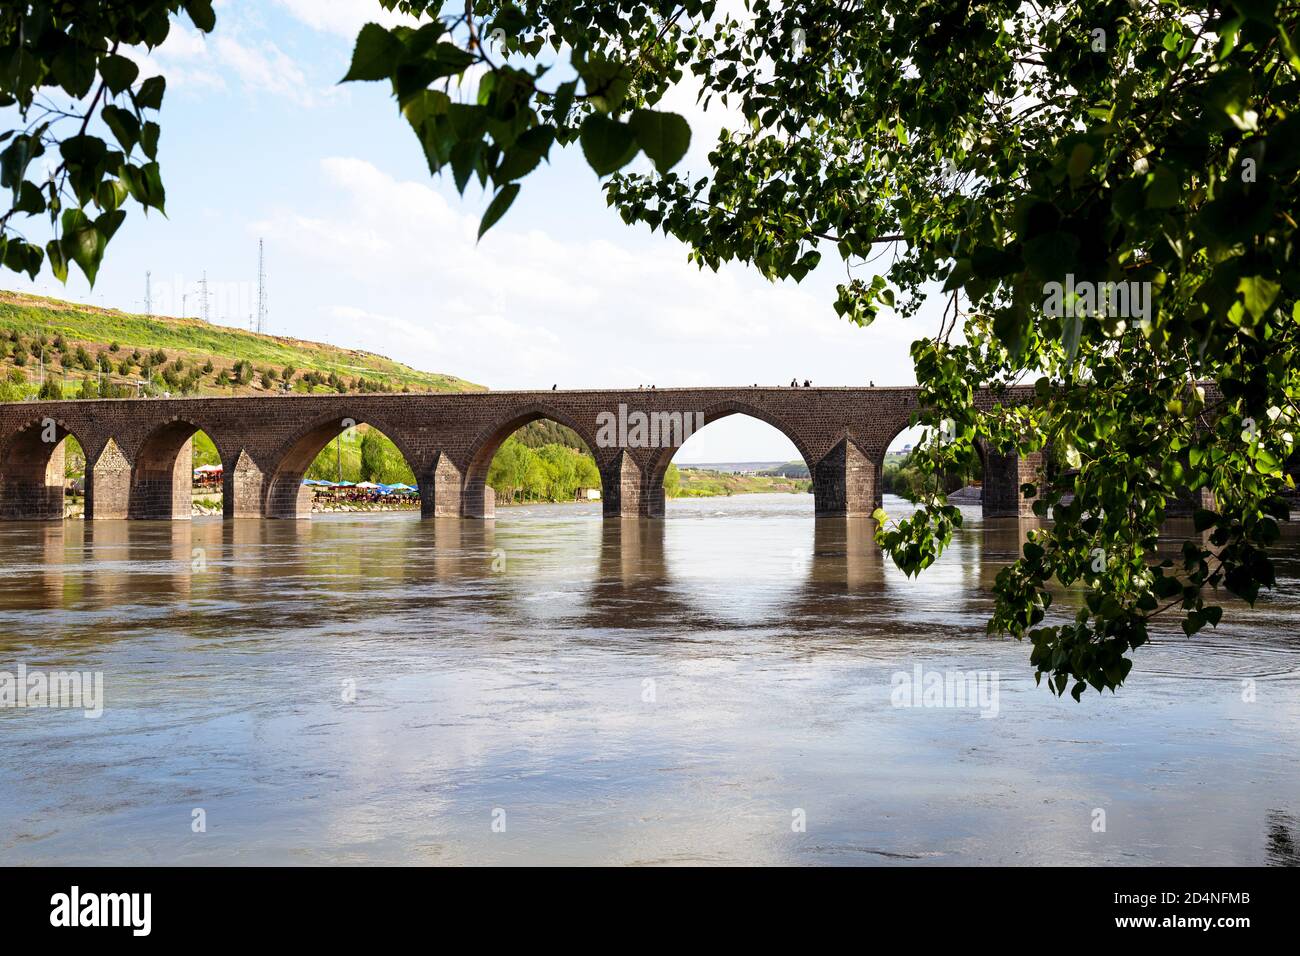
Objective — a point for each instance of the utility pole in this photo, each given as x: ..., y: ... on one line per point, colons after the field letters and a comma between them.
x: 261, y: 288
x: 148, y: 293
x: 338, y: 449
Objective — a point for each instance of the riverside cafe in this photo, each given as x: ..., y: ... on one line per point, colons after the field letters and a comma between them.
x: 363, y: 491
x: 209, y: 477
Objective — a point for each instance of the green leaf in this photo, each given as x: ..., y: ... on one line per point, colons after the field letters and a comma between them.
x: 30, y: 199
x: 1052, y: 255
x: 125, y: 127
x: 58, y: 262
x: 150, y: 94
x: 563, y: 100
x: 107, y: 224
x: 15, y: 159
x: 74, y: 68
x: 497, y: 208
x: 145, y: 185
x: 606, y: 82
x: 665, y: 137
x: 464, y: 161
x: 1080, y: 161
x: 201, y: 13
x: 1071, y: 330
x: 608, y: 144
x: 118, y: 72
x: 528, y: 151
x: 111, y: 194
x: 1259, y: 294
x: 1163, y: 189
x: 149, y: 134
x: 1203, y: 519
x: 376, y: 54
x: 83, y: 243
x: 30, y: 255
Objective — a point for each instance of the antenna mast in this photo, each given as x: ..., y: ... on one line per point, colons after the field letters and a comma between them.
x: 261, y: 288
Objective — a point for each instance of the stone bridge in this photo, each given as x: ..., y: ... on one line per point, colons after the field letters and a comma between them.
x: 139, y: 451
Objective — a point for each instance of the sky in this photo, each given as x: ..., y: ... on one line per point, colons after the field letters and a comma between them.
x: 364, y: 248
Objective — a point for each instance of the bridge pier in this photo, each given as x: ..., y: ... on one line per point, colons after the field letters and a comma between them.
x: 108, y: 485
x: 289, y: 500
x: 441, y: 495
x: 1003, y: 476
x: 622, y: 489
x: 241, y: 488
x: 478, y: 500
x: 846, y: 482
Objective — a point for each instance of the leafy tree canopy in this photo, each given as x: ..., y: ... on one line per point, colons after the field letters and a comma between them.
x: 1103, y: 192
x: 85, y: 144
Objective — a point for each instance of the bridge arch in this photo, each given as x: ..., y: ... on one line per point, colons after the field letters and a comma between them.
x: 476, y: 498
x: 162, y: 470
x: 32, y: 463
x: 1002, y: 472
x: 652, y: 479
x: 285, y: 496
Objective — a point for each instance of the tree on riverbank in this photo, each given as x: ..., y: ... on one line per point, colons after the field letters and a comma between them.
x: 361, y: 454
x: 549, y: 473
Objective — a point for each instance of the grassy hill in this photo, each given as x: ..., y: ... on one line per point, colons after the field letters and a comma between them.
x: 90, y: 351
x: 705, y: 483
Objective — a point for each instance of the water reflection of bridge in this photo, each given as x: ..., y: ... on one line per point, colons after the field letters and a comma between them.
x: 629, y: 574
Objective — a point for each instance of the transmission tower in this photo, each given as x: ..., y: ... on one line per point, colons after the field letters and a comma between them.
x: 148, y: 293
x: 261, y: 288
x: 203, y: 291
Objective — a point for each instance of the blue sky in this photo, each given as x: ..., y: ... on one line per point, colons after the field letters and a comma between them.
x: 365, y: 249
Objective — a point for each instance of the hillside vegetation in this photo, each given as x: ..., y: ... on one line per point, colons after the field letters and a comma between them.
x: 91, y: 352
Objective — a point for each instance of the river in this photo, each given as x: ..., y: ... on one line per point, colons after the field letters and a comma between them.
x: 727, y: 685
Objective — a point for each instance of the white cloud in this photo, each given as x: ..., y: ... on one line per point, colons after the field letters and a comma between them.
x: 190, y: 59
x: 343, y: 18
x: 262, y: 67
